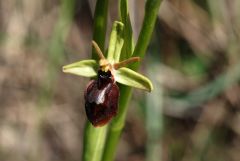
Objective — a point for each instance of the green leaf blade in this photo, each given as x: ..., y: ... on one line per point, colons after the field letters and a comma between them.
x: 131, y: 78
x: 86, y: 68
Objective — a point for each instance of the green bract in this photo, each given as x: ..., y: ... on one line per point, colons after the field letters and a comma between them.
x: 123, y: 75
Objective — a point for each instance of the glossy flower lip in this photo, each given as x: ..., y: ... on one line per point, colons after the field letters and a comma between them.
x: 101, y: 99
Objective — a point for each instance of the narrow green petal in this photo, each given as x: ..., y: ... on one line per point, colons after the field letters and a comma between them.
x: 86, y: 68
x: 131, y: 78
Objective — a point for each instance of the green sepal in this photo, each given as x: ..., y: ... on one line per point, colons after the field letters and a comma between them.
x: 131, y: 78
x: 86, y: 68
x: 116, y: 42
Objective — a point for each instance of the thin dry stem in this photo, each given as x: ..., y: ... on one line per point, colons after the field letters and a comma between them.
x: 125, y: 62
x: 98, y: 50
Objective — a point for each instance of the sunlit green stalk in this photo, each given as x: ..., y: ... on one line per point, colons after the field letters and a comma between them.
x: 151, y: 11
x: 94, y: 138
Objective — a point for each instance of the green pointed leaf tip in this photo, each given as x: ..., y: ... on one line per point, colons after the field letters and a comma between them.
x: 131, y: 78
x: 86, y: 68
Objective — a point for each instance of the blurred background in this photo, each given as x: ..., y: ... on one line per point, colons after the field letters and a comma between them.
x: 193, y: 61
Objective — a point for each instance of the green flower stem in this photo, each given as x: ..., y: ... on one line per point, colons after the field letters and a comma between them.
x: 94, y: 141
x: 94, y: 138
x: 115, y: 130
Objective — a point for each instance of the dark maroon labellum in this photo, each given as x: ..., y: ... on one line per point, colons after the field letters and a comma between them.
x: 101, y: 99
